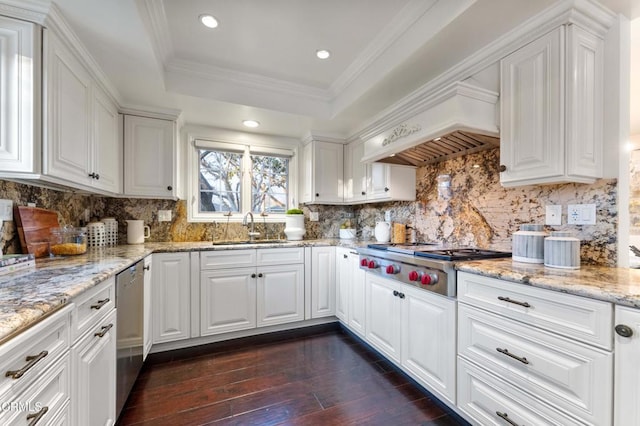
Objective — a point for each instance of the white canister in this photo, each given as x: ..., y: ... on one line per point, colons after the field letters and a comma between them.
x: 137, y: 231
x: 110, y: 231
x: 562, y: 251
x: 382, y: 232
x: 95, y: 234
x: 528, y: 243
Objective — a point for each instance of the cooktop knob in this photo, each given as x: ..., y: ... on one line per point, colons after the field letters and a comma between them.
x: 414, y: 276
x: 429, y: 279
x: 373, y: 264
x: 392, y: 269
x: 364, y: 262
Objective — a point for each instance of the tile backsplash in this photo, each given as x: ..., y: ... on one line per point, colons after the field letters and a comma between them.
x: 479, y: 211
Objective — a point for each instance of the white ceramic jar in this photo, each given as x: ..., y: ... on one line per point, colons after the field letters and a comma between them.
x: 382, y: 232
x: 528, y: 243
x: 562, y: 251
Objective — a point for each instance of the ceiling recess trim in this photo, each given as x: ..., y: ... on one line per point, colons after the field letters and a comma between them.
x: 155, y: 20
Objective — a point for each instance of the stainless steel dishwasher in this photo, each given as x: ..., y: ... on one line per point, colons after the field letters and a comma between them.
x: 129, y: 342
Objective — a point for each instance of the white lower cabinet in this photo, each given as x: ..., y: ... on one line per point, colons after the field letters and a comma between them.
x: 245, y: 289
x: 94, y: 375
x: 515, y: 340
x: 343, y: 282
x: 171, y: 297
x: 323, y: 281
x: 146, y: 315
x: 350, y: 294
x: 627, y: 373
x: 416, y: 329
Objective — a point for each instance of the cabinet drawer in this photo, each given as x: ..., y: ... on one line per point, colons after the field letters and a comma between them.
x: 46, y: 397
x: 482, y: 396
x: 572, y: 376
x: 223, y: 259
x: 92, y: 306
x: 576, y: 317
x: 43, y: 343
x: 280, y: 256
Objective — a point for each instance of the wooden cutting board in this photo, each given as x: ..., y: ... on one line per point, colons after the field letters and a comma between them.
x: 33, y: 228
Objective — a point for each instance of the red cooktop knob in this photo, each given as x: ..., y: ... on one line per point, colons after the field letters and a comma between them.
x: 429, y: 279
x: 364, y: 262
x: 373, y: 264
x: 414, y: 276
x: 392, y: 269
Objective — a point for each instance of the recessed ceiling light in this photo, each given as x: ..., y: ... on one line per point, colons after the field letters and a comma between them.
x: 323, y: 54
x: 251, y: 123
x: 209, y: 21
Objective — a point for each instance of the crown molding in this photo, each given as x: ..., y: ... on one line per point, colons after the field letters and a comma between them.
x: 322, y: 137
x: 29, y: 10
x: 154, y: 19
x: 588, y: 13
x: 57, y: 23
x: 152, y: 112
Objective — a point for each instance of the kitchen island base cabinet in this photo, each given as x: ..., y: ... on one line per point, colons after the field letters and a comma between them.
x: 416, y: 329
x: 171, y: 296
x: 627, y: 373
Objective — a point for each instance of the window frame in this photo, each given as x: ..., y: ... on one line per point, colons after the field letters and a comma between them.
x: 193, y: 184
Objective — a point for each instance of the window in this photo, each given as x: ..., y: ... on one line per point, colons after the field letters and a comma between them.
x: 238, y: 178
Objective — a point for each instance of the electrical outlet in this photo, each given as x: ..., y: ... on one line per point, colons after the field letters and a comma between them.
x: 164, y: 215
x: 553, y: 215
x: 314, y: 216
x: 6, y: 210
x: 581, y: 214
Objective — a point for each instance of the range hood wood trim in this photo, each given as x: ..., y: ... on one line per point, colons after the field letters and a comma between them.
x: 460, y: 107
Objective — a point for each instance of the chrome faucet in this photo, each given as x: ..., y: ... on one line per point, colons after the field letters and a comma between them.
x: 252, y: 234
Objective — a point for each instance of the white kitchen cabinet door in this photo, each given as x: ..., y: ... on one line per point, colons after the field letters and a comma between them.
x: 323, y: 282
x: 171, y: 292
x: 343, y: 283
x: 357, y: 297
x: 107, y: 144
x: 280, y: 294
x: 19, y: 74
x: 68, y: 117
x: 356, y: 173
x: 551, y: 93
x: 627, y: 374
x: 149, y: 157
x: 322, y: 173
x: 94, y: 360
x: 227, y: 300
x: 429, y: 340
x: 147, y: 308
x: 378, y: 181
x: 383, y: 313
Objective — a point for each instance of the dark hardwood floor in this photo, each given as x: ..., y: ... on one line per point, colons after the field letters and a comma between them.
x: 328, y: 378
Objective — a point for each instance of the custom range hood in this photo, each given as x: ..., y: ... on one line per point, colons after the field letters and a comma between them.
x: 457, y: 120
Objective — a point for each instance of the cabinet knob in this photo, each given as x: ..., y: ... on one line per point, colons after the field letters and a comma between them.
x: 97, y: 176
x: 92, y: 175
x: 253, y: 275
x: 624, y: 330
x: 395, y: 293
x: 502, y: 168
x: 317, y: 195
x: 386, y: 189
x: 146, y: 268
x: 260, y: 275
x: 364, y: 193
x: 345, y: 256
x: 169, y: 188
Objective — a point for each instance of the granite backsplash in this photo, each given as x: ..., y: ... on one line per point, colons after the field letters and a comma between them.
x: 478, y: 211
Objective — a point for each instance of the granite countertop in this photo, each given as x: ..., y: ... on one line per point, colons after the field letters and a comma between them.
x: 616, y: 285
x: 26, y: 298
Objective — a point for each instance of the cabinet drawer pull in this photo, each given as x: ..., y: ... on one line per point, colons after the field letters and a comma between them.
x: 31, y: 361
x: 35, y: 417
x: 105, y: 329
x: 401, y: 295
x: 100, y: 304
x: 624, y: 330
x: 505, y: 417
x: 147, y: 268
x: 515, y: 302
x: 507, y: 353
x: 395, y: 293
x: 345, y: 256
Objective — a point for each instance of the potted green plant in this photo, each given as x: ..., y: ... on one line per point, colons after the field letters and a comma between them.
x: 294, y: 224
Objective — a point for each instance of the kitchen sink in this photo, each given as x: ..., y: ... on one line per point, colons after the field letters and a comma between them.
x: 247, y: 242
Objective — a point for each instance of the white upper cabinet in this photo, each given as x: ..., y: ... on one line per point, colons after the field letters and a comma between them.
x: 551, y: 110
x: 81, y: 144
x: 376, y: 182
x: 321, y: 173
x: 150, y: 157
x: 19, y: 77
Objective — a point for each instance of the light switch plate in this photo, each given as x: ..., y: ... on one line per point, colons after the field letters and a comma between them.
x: 581, y: 214
x: 164, y: 215
x: 6, y: 210
x: 553, y: 215
x: 314, y: 216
